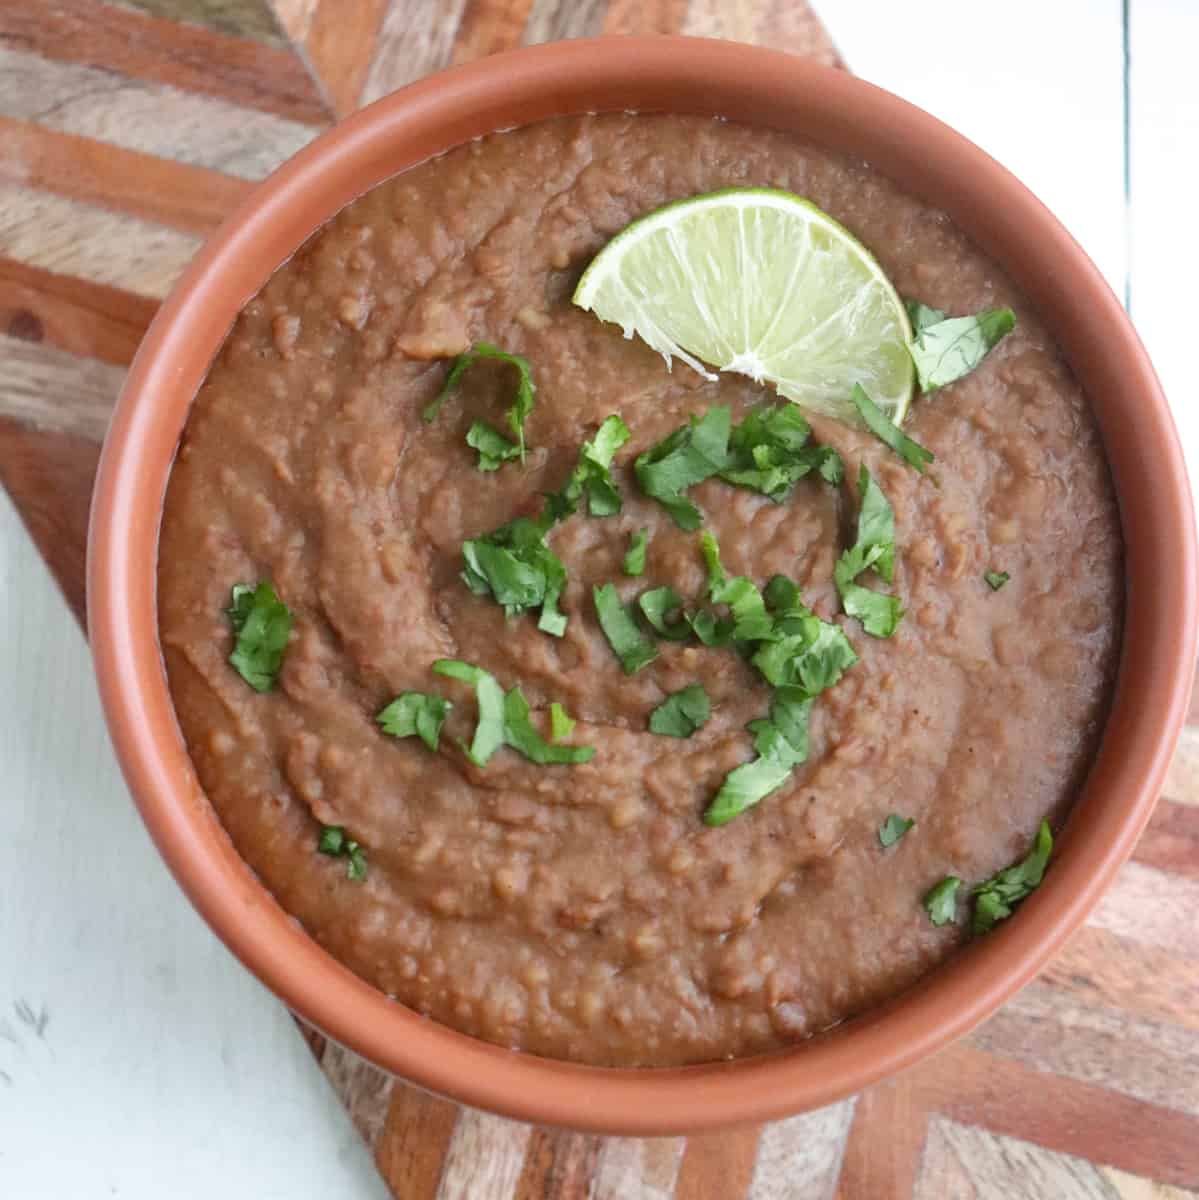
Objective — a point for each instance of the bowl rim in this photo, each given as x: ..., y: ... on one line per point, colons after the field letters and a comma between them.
x: 740, y: 82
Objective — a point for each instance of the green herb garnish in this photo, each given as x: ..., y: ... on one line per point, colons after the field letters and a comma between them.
x: 634, y: 559
x: 993, y: 900
x: 520, y: 734
x: 768, y: 452
x: 922, y: 316
x: 658, y: 605
x: 781, y: 743
x: 262, y: 623
x: 592, y: 475
x: 630, y: 645
x: 489, y: 728
x: 525, y: 391
x: 688, y: 456
x: 415, y: 714
x: 877, y: 422
x: 940, y: 901
x: 504, y: 720
x: 561, y: 722
x: 996, y: 579
x: 334, y: 842
x: 514, y: 565
x: 748, y: 619
x: 945, y: 350
x: 682, y: 713
x: 874, y: 549
x: 893, y: 828
x: 494, y: 449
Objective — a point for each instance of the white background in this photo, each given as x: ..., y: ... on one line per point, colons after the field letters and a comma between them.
x: 162, y: 1068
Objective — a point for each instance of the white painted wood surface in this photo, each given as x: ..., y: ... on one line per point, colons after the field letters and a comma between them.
x: 161, y: 1068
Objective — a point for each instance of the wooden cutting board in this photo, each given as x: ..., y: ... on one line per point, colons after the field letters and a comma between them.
x: 127, y: 131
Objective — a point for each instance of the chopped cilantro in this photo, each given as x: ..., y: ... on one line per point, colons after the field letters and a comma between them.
x: 415, y: 713
x: 630, y: 645
x: 525, y: 391
x: 945, y: 350
x: 334, y: 842
x: 514, y: 565
x: 634, y: 559
x: 993, y: 899
x: 504, y: 720
x: 922, y: 316
x: 940, y: 901
x: 658, y: 604
x: 781, y: 743
x: 690, y: 455
x: 262, y: 623
x: 876, y: 421
x: 494, y: 449
x: 747, y: 608
x: 520, y: 734
x: 489, y: 729
x: 893, y: 828
x: 592, y: 475
x: 874, y: 548
x: 682, y: 713
x: 811, y: 660
x: 996, y: 579
x: 561, y: 722
x: 768, y: 452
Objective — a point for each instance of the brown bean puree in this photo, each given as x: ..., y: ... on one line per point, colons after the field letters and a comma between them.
x: 585, y: 912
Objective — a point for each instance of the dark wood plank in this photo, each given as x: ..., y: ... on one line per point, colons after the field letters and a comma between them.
x: 412, y: 1148
x: 718, y: 1166
x: 882, y: 1154
x: 240, y: 70
x: 49, y: 478
x: 175, y: 194
x: 558, y: 1166
x: 340, y: 45
x: 489, y: 26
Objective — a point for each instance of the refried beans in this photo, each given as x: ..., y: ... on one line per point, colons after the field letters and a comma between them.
x: 585, y: 912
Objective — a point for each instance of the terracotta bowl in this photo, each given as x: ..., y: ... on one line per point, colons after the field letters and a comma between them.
x: 744, y: 84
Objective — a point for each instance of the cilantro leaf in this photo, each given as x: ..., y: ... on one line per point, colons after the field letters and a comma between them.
x: 526, y: 390
x: 634, y: 559
x: 994, y: 898
x: 494, y: 449
x: 592, y: 475
x: 996, y: 579
x: 514, y: 565
x: 948, y: 349
x: 334, y: 843
x: 747, y: 608
x: 768, y: 452
x: 657, y: 605
x: 811, y: 660
x: 262, y: 623
x: 922, y: 316
x: 520, y: 734
x: 682, y: 713
x: 877, y: 422
x: 781, y: 743
x: 893, y: 828
x: 415, y: 714
x: 874, y: 548
x: 489, y: 729
x: 561, y: 722
x: 630, y: 645
x: 690, y: 455
x: 940, y: 901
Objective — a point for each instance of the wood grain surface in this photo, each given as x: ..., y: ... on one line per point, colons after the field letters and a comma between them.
x: 127, y: 130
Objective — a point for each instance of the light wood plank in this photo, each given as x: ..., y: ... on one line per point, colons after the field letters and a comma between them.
x: 241, y: 71
x: 553, y: 20
x: 1182, y: 781
x: 57, y: 392
x: 295, y: 16
x: 414, y: 40
x: 643, y: 1167
x: 1132, y: 1187
x: 802, y: 1155
x: 363, y: 1089
x: 60, y: 235
x: 646, y: 16
x: 238, y: 18
x: 484, y: 1157
x: 1163, y: 131
x: 148, y: 117
x: 1146, y: 905
x: 971, y: 1164
x: 184, y: 197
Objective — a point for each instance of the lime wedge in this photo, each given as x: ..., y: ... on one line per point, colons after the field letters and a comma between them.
x: 761, y: 282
